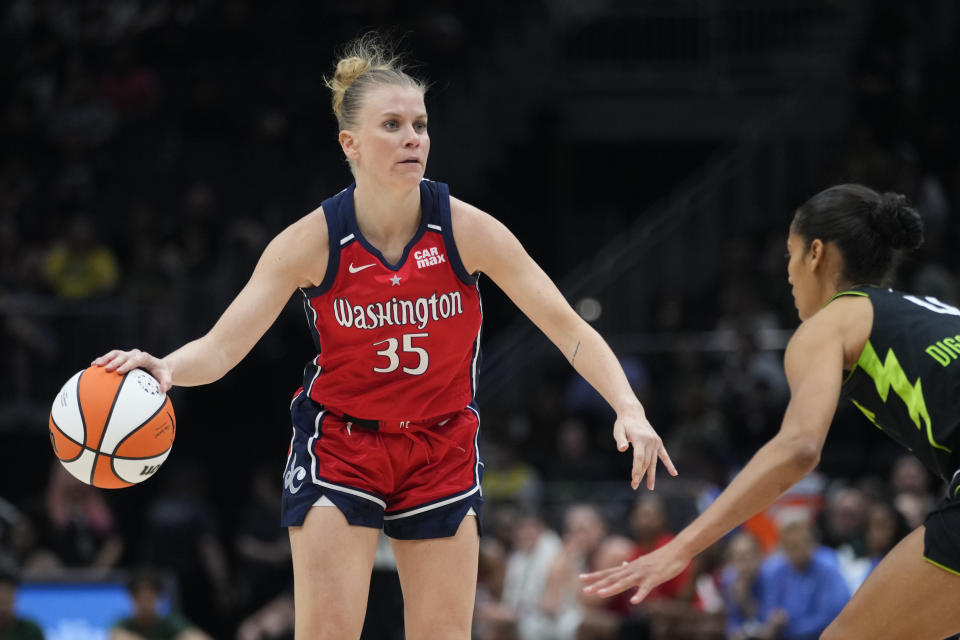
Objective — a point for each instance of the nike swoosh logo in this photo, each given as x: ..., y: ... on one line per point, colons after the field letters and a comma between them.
x: 354, y: 269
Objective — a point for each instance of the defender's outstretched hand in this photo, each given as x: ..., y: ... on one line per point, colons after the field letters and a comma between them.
x: 124, y: 361
x: 646, y: 572
x: 633, y: 429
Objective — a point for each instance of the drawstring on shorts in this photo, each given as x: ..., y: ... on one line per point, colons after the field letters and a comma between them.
x: 408, y: 428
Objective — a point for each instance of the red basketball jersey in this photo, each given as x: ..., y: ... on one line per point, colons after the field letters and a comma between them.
x: 395, y: 341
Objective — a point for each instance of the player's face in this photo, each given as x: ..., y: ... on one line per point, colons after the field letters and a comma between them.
x: 801, y: 278
x: 392, y: 139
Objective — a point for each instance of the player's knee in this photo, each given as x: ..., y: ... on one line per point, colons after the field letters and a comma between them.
x: 327, y: 626
x: 437, y: 627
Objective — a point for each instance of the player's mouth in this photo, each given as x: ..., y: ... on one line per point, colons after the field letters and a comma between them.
x: 410, y: 161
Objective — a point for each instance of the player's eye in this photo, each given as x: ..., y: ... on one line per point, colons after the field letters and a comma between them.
x: 420, y: 127
x: 390, y: 124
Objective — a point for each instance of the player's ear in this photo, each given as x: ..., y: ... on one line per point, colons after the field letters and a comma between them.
x: 815, y: 253
x: 349, y: 144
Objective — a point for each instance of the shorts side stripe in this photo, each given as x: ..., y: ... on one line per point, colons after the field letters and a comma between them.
x: 353, y: 492
x: 435, y: 505
x: 476, y: 451
x: 310, y: 444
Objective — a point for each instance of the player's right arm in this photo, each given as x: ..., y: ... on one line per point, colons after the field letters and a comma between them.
x: 813, y: 363
x: 294, y: 258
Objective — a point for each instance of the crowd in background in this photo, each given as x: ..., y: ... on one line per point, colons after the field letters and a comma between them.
x: 149, y: 151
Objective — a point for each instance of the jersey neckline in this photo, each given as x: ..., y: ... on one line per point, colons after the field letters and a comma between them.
x: 351, y: 219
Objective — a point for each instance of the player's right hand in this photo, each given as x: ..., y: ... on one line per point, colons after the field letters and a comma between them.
x: 124, y: 361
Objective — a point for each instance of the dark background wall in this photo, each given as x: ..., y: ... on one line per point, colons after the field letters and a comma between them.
x: 648, y: 155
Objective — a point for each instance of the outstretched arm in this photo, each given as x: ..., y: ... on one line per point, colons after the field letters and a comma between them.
x: 487, y: 245
x: 814, y: 368
x: 294, y: 258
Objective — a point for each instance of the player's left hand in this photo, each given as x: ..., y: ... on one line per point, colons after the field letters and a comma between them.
x: 633, y: 429
x: 645, y: 573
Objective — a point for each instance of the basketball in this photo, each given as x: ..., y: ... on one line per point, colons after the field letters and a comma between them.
x: 112, y: 430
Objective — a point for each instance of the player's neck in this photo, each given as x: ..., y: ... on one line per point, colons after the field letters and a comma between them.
x: 385, y: 213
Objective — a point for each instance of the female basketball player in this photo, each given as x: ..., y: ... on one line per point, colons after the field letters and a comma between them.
x: 894, y: 355
x: 385, y: 430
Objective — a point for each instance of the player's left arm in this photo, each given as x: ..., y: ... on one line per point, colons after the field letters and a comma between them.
x: 814, y: 366
x: 485, y: 245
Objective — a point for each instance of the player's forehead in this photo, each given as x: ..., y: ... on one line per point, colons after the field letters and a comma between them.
x: 394, y: 100
x: 794, y: 240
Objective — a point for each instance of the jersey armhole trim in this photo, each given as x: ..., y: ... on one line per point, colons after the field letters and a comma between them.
x: 840, y: 294
x: 446, y: 224
x: 944, y: 567
x: 335, y: 243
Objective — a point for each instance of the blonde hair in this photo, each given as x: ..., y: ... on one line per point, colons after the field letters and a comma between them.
x: 366, y: 62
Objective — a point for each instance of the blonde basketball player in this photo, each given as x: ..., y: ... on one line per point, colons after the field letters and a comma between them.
x: 384, y: 427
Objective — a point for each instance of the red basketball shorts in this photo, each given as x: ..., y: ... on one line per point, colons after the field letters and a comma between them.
x: 415, y: 480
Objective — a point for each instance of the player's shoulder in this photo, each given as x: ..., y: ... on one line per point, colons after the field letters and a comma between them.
x: 310, y: 229
x: 846, y: 309
x: 470, y: 223
x: 301, y: 248
x: 465, y: 213
x: 846, y: 320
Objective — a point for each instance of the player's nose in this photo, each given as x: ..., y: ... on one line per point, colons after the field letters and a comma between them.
x: 411, y: 137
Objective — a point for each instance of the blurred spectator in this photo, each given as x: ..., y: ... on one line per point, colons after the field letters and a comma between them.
x: 752, y: 390
x: 910, y: 478
x: 508, y: 477
x: 565, y: 613
x: 885, y: 528
x: 491, y: 621
x: 146, y: 623
x: 741, y: 589
x: 13, y: 627
x: 801, y: 593
x: 535, y: 547
x: 648, y: 527
x: 574, y: 464
x: 181, y: 535
x: 671, y: 604
x: 79, y: 266
x: 262, y: 547
x: 844, y: 518
x: 82, y: 524
x: 20, y: 544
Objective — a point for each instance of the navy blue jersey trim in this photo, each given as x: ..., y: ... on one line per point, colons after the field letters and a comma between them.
x: 477, y: 359
x: 333, y: 210
x: 443, y: 197
x: 350, y: 218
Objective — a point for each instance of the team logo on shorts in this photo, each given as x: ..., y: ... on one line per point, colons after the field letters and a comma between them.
x: 294, y: 474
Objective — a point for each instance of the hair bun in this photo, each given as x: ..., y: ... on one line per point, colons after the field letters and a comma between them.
x: 897, y: 222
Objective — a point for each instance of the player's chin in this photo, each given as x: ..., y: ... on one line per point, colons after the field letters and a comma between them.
x: 409, y: 172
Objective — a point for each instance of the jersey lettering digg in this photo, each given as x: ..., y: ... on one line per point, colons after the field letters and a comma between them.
x: 394, y: 341
x: 906, y: 381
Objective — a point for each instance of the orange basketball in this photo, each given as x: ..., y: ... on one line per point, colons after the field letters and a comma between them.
x: 112, y: 430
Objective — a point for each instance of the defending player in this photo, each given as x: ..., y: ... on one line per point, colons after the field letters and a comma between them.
x: 385, y: 432
x: 894, y: 356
